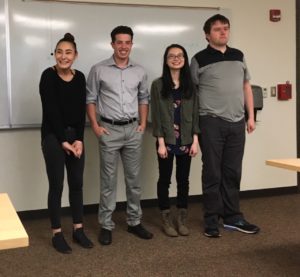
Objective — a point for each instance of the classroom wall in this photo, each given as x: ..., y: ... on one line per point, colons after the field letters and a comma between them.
x: 270, y: 50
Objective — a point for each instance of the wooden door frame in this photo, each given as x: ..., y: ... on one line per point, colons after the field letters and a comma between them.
x: 297, y: 85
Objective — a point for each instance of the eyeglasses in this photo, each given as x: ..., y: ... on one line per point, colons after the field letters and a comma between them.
x: 173, y: 57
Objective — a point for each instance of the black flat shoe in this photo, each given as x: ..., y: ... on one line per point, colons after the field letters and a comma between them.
x: 140, y: 231
x: 80, y: 237
x: 60, y: 244
x: 212, y: 233
x: 105, y: 237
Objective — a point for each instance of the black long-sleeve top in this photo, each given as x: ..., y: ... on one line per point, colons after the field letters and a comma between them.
x: 63, y: 104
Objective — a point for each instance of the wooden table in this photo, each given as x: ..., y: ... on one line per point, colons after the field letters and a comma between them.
x: 291, y: 164
x: 12, y: 232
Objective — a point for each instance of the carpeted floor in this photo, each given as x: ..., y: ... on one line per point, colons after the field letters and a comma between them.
x: 275, y: 251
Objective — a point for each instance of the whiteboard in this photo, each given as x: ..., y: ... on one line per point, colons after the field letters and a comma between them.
x: 36, y: 26
x: 4, y: 101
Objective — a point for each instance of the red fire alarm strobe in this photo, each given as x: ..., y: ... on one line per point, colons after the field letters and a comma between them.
x: 275, y: 15
x: 284, y: 91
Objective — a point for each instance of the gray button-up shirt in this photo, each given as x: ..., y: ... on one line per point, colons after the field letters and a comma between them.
x: 117, y: 92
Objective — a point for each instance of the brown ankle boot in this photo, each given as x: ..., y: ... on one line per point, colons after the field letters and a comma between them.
x: 167, y: 224
x: 181, y: 222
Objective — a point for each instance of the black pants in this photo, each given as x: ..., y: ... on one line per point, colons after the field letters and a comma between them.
x: 222, y: 146
x: 56, y: 159
x: 183, y: 163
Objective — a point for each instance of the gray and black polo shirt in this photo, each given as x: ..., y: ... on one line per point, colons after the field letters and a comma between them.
x: 220, y: 78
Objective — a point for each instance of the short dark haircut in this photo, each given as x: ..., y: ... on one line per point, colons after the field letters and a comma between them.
x: 121, y: 30
x: 67, y: 38
x: 185, y: 78
x: 211, y: 21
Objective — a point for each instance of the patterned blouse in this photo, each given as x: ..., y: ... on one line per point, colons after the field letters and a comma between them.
x: 177, y: 149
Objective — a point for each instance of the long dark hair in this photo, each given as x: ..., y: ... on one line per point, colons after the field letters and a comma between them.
x: 185, y: 78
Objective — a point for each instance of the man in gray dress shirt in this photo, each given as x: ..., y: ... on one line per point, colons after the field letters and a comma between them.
x: 117, y: 91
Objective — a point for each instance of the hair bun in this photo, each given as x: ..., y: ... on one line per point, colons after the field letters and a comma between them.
x: 69, y: 37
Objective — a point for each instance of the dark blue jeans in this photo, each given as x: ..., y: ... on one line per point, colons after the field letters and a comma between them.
x: 183, y: 163
x: 56, y: 160
x: 222, y: 146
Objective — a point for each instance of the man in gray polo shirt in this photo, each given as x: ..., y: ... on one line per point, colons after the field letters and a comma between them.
x: 117, y: 91
x: 222, y: 79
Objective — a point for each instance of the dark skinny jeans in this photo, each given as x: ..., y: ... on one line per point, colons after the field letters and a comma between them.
x: 183, y: 163
x: 56, y: 159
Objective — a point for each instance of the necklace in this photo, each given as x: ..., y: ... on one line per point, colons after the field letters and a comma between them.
x: 67, y: 76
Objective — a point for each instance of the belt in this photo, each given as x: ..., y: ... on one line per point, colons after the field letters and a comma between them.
x: 117, y: 122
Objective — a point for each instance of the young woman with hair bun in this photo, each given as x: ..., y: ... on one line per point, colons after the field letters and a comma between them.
x: 62, y: 91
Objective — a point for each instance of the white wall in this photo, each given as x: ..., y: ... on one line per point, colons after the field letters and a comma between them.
x: 270, y: 50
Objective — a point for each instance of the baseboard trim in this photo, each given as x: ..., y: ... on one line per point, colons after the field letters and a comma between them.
x: 150, y: 203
